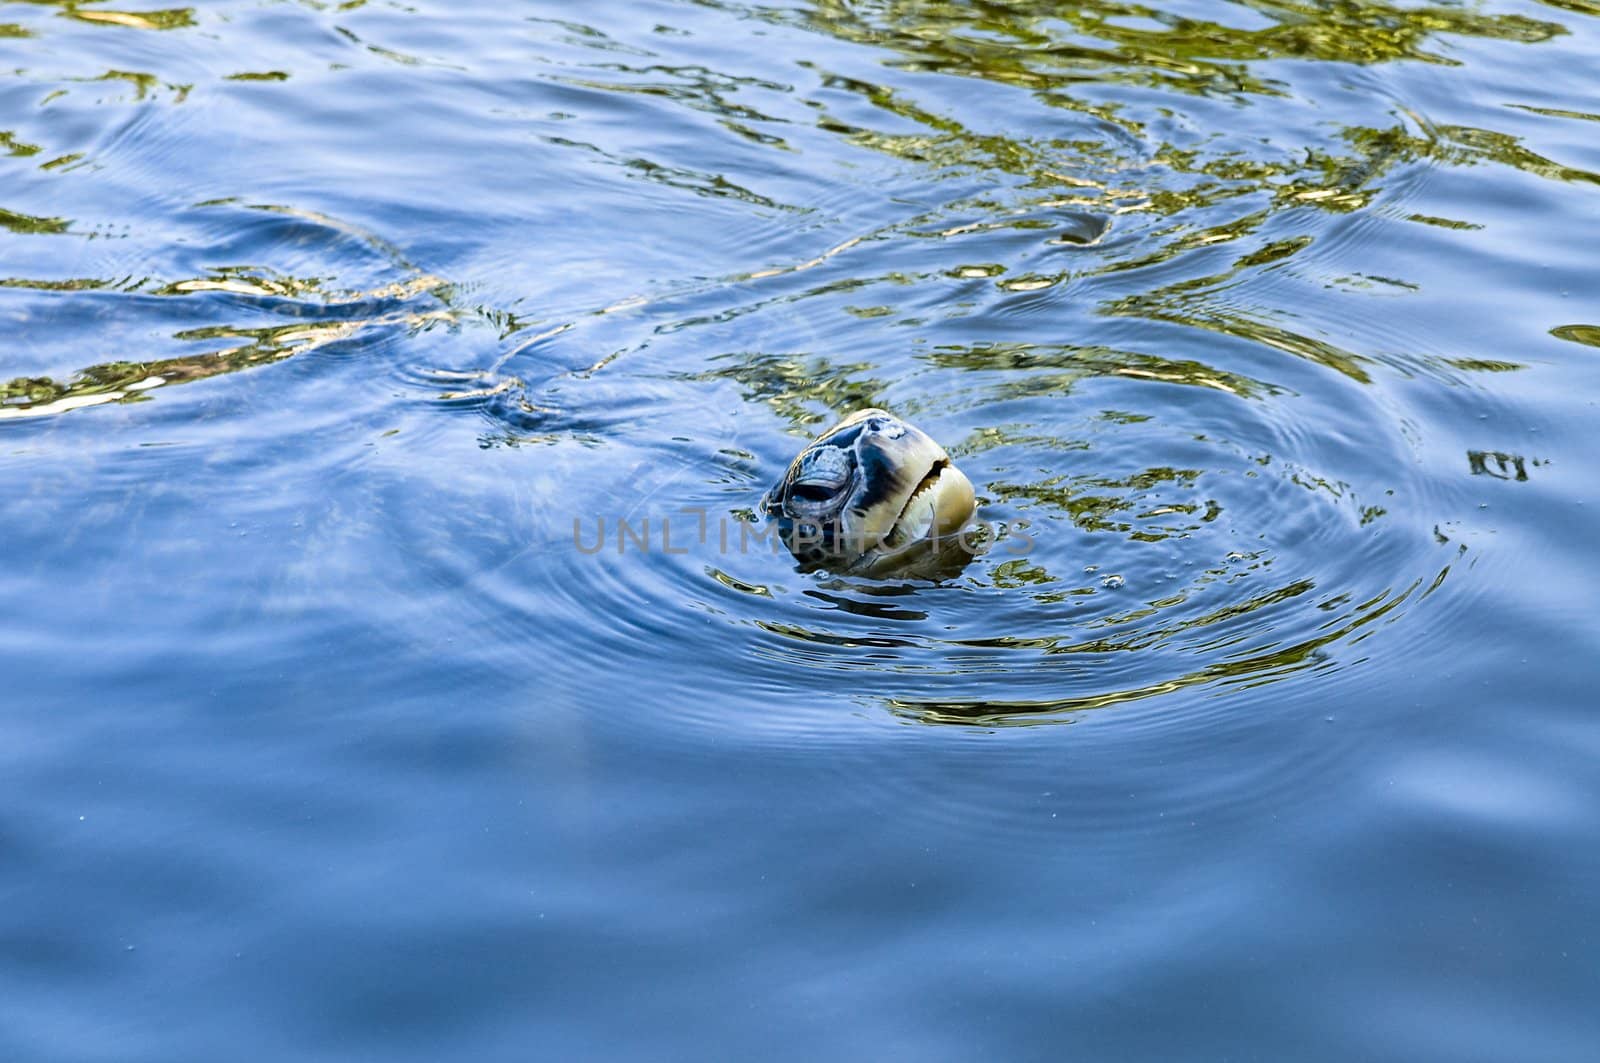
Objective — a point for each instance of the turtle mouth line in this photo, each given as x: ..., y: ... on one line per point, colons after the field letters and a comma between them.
x: 898, y: 533
x: 923, y: 485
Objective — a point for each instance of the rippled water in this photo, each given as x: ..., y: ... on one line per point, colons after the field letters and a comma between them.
x: 392, y: 666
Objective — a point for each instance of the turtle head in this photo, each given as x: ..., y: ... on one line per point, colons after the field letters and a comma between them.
x: 871, y: 496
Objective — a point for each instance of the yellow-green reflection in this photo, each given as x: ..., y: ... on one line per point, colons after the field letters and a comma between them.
x: 1056, y: 51
x: 1056, y: 46
x: 15, y: 147
x: 167, y: 19
x: 1248, y: 667
x: 1139, y: 506
x: 132, y: 380
x: 18, y: 222
x: 795, y: 386
x: 1585, y: 334
x: 144, y: 84
x: 1046, y: 369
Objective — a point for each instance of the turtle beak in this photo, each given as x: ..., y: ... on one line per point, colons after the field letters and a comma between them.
x: 939, y: 506
x: 914, y: 492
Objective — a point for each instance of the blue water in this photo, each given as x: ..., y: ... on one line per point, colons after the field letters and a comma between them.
x: 338, y: 336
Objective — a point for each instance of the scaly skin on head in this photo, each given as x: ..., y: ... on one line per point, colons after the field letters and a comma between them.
x: 871, y: 496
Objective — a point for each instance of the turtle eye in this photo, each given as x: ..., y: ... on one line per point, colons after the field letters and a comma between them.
x: 814, y: 491
x: 823, y: 475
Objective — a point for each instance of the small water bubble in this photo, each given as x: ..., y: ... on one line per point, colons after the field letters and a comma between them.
x: 1111, y: 583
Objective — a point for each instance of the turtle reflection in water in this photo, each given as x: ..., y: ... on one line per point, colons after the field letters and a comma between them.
x: 874, y: 496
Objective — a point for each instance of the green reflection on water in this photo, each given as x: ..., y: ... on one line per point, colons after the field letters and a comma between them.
x: 1585, y: 334
x: 1249, y: 667
x: 1128, y: 505
x: 15, y: 147
x: 168, y: 19
x: 131, y: 380
x: 1057, y: 46
x: 794, y: 386
x: 1074, y: 363
x: 28, y: 223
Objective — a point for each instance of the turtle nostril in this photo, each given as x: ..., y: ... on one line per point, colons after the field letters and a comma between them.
x: 887, y: 427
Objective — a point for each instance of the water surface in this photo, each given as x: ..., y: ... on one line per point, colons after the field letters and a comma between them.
x: 392, y: 669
